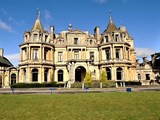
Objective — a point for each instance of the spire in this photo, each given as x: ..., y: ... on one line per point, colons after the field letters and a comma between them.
x: 37, y: 25
x: 111, y: 26
x: 110, y: 15
x: 38, y: 13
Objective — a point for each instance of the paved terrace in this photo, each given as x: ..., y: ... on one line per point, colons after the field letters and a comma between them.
x: 75, y: 90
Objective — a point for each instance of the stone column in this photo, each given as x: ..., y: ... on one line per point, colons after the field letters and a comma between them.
x: 111, y: 51
x: 28, y: 75
x: 29, y: 52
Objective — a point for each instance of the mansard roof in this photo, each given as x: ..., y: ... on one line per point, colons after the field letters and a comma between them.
x: 4, y: 62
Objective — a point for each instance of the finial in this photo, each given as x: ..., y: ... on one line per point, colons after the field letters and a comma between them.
x: 110, y: 15
x: 38, y: 13
x: 70, y: 27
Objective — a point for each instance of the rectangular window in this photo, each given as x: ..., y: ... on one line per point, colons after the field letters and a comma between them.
x: 60, y: 56
x: 116, y: 38
x: 75, y: 41
x: 35, y: 37
x: 106, y: 38
x: 35, y: 54
x: 139, y: 77
x: 117, y: 53
x: 147, y: 76
x: 76, y: 54
x: 92, y: 56
x: 107, y: 54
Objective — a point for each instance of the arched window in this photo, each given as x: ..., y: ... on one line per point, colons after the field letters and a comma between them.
x: 46, y: 75
x: 108, y: 71
x: 119, y: 73
x: 60, y: 75
x: 35, y: 75
x: 13, y: 78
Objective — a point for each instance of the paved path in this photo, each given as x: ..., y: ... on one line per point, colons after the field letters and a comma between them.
x: 73, y: 90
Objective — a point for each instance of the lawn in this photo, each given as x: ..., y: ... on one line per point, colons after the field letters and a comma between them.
x: 82, y: 106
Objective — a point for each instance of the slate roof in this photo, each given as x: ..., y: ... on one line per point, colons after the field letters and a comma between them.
x: 4, y: 62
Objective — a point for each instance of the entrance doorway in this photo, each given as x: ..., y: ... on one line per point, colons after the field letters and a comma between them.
x: 13, y: 78
x: 80, y: 74
x: 119, y: 73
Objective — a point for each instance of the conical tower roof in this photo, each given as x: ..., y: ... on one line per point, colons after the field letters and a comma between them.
x: 37, y: 25
x: 111, y: 26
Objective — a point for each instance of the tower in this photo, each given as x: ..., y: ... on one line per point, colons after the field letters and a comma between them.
x: 37, y: 54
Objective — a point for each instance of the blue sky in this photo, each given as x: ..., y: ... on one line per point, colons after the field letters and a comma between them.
x: 141, y: 18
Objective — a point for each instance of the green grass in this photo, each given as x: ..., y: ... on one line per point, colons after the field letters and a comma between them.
x: 89, y: 106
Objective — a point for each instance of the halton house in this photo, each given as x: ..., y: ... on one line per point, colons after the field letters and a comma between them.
x: 69, y: 55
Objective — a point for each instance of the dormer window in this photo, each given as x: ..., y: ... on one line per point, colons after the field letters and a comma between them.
x: 35, y: 37
x: 106, y: 39
x: 26, y: 38
x: 117, y: 38
x: 75, y: 41
x: 46, y: 38
x: 91, y: 42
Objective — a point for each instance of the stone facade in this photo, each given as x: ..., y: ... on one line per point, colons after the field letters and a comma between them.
x: 46, y: 56
x: 148, y: 72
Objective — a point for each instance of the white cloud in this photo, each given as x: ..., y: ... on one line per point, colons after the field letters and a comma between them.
x: 13, y: 58
x: 102, y: 1
x: 144, y: 52
x: 47, y: 15
x: 6, y: 27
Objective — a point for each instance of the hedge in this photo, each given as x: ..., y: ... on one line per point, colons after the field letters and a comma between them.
x: 37, y: 85
x: 94, y: 84
x: 130, y: 83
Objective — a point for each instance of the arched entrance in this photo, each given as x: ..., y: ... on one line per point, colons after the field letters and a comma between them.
x: 80, y: 73
x: 13, y: 78
x: 0, y: 81
x: 119, y: 73
x: 108, y: 71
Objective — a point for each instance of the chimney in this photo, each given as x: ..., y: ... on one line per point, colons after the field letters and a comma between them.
x: 52, y: 32
x: 1, y: 52
x: 97, y: 33
x: 144, y: 60
x: 137, y: 61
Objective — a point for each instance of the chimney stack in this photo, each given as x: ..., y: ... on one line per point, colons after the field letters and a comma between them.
x: 52, y: 32
x: 1, y: 52
x: 97, y: 33
x: 144, y: 60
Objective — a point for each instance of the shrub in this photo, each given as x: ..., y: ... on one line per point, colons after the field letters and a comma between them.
x: 76, y: 85
x: 103, y: 77
x: 107, y: 84
x: 88, y: 79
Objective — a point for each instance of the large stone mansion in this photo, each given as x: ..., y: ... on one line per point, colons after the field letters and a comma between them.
x: 46, y: 56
